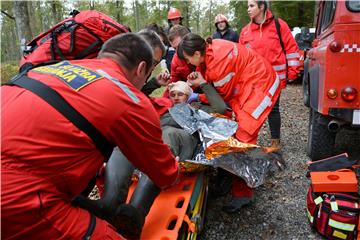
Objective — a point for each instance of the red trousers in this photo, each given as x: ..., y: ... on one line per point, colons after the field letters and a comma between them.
x: 239, y: 186
x: 33, y: 208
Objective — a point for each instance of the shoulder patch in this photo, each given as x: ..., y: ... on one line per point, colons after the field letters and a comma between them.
x: 75, y: 76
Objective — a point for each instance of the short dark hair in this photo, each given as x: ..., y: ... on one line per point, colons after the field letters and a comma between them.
x: 190, y: 44
x: 177, y: 31
x: 131, y: 48
x: 153, y: 39
x: 160, y: 31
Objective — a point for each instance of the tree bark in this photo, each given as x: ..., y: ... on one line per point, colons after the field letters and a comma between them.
x: 136, y: 13
x: 22, y: 20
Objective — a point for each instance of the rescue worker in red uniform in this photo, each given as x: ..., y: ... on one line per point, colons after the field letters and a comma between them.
x: 47, y: 161
x: 174, y: 18
x: 261, y: 35
x: 245, y: 80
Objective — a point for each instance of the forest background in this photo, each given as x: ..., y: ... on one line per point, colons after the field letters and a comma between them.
x: 21, y: 20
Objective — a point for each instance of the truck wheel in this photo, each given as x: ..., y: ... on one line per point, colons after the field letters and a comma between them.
x: 321, y: 142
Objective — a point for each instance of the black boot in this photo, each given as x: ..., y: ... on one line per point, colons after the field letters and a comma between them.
x: 118, y: 174
x: 130, y: 218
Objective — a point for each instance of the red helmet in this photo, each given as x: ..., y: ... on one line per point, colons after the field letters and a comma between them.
x: 174, y: 13
x: 220, y: 18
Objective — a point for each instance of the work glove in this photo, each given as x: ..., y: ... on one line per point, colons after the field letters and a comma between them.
x: 194, y: 97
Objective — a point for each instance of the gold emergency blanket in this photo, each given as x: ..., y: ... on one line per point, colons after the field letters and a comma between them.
x: 227, y: 146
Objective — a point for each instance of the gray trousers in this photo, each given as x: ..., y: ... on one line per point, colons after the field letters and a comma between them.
x: 181, y: 143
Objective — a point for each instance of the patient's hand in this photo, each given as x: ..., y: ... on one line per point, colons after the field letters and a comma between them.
x: 195, y: 79
x: 163, y: 78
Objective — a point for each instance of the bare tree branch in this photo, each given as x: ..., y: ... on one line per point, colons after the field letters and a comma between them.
x: 8, y: 15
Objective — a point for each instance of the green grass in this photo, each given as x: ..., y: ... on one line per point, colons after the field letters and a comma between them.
x: 8, y: 70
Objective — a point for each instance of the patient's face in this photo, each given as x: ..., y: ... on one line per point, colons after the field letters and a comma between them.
x: 178, y: 97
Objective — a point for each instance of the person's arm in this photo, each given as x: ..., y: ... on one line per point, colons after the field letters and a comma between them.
x: 138, y: 135
x: 155, y: 82
x: 150, y: 86
x: 292, y: 51
x: 216, y: 103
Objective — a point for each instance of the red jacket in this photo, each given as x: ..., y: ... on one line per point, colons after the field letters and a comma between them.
x: 179, y: 71
x: 244, y: 79
x: 46, y: 158
x: 264, y: 39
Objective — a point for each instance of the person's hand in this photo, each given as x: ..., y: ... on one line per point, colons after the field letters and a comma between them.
x: 194, y: 97
x: 194, y: 79
x: 163, y: 78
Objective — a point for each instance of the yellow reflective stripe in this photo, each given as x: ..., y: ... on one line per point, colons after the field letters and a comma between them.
x: 339, y: 234
x: 311, y: 218
x: 318, y: 200
x: 340, y: 225
x: 334, y: 206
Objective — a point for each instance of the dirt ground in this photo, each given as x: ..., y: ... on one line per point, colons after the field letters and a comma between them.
x: 278, y: 211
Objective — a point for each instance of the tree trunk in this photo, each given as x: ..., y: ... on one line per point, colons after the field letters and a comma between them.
x: 136, y: 13
x: 301, y: 12
x: 119, y: 12
x: 22, y: 20
x: 187, y: 17
x: 56, y: 11
x: 210, y: 16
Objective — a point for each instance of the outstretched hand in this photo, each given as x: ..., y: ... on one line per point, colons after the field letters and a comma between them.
x: 163, y: 78
x: 194, y: 79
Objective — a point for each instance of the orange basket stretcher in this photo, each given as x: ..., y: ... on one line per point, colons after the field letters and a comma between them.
x: 178, y: 212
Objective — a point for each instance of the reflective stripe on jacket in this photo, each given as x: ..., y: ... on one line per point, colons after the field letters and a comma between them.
x: 244, y: 79
x: 264, y: 39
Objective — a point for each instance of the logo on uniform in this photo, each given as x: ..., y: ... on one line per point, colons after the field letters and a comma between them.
x: 75, y: 76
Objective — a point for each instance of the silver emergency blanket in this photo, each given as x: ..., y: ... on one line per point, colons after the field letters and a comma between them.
x: 192, y: 120
x: 253, y: 165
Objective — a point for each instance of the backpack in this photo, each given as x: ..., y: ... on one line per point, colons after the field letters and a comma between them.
x: 78, y: 37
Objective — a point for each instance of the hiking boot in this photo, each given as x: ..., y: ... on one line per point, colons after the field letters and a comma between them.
x: 275, y: 144
x: 236, y: 203
x: 130, y: 218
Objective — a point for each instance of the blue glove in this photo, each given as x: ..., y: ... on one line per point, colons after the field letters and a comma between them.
x: 194, y: 97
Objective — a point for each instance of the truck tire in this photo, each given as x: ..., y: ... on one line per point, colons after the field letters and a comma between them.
x: 306, y: 90
x: 321, y: 142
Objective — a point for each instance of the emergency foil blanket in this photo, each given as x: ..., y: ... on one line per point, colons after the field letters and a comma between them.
x: 250, y: 162
x: 192, y: 120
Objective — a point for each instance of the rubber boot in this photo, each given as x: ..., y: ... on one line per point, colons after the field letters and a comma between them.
x: 118, y: 173
x: 275, y: 144
x: 130, y: 218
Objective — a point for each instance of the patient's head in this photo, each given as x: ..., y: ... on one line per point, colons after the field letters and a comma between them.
x: 179, y: 92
